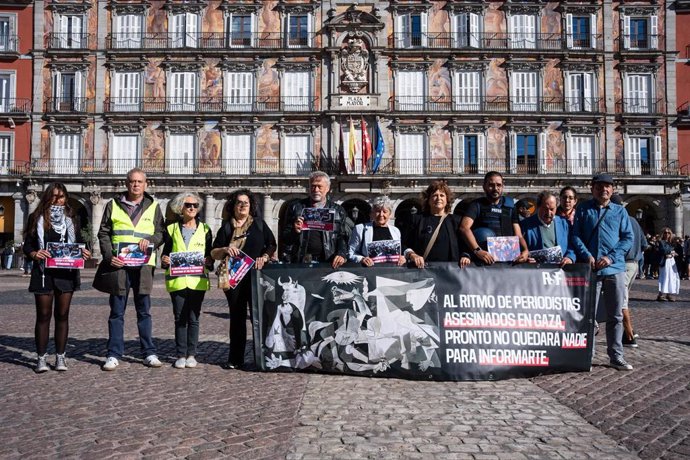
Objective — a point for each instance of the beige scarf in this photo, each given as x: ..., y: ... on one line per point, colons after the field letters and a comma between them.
x: 239, y: 234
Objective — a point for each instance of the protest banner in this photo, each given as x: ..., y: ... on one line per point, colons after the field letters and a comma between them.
x: 65, y: 255
x: 438, y: 323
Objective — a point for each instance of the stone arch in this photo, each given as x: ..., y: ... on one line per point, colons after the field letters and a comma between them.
x: 81, y: 207
x: 363, y: 209
x: 404, y: 211
x: 652, y: 218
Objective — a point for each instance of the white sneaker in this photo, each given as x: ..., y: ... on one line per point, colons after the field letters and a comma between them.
x: 60, y: 364
x: 110, y: 364
x: 41, y: 365
x: 180, y: 363
x: 191, y: 362
x: 152, y: 361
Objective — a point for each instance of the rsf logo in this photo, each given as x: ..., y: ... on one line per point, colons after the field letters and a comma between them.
x: 552, y: 279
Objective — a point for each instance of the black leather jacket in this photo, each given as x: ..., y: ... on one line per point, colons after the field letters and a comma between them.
x: 334, y: 243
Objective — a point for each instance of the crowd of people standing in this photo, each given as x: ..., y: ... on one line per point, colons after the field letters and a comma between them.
x: 597, y: 231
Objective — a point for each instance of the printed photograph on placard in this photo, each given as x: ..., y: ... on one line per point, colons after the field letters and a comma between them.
x: 186, y: 263
x: 384, y: 251
x: 547, y: 256
x: 503, y: 248
x: 238, y: 267
x: 132, y: 255
x: 65, y: 255
x: 318, y: 219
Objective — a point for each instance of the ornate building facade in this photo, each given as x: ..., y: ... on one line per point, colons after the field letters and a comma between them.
x: 212, y: 95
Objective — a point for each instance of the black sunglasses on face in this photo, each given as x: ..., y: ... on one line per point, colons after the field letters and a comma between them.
x: 191, y: 205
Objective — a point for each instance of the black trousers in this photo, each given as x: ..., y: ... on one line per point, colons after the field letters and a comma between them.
x: 239, y: 300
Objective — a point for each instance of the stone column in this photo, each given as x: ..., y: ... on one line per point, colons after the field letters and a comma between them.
x: 32, y: 199
x: 677, y: 218
x: 271, y: 220
x: 210, y: 218
x: 609, y: 93
x: 97, y: 208
x: 18, y: 217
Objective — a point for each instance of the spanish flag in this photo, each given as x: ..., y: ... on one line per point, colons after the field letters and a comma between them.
x: 366, y: 146
x: 352, y: 148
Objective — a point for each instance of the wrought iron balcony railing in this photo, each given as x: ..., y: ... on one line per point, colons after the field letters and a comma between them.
x: 640, y: 106
x: 14, y: 168
x: 208, y: 40
x: 494, y: 41
x: 633, y: 43
x: 69, y: 40
x: 11, y: 105
x: 211, y: 104
x: 494, y: 104
x: 620, y: 168
x: 69, y: 105
x: 9, y: 44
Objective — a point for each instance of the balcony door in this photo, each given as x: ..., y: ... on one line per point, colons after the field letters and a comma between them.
x: 581, y: 154
x: 183, y: 91
x: 409, y: 155
x: 638, y: 93
x: 7, y: 40
x: 523, y: 87
x: 7, y: 102
x: 468, y: 91
x: 184, y: 32
x: 125, y: 153
x: 523, y: 31
x: 128, y: 30
x: 296, y: 91
x: 410, y: 90
x: 68, y: 92
x: 297, y: 159
x: 180, y: 154
x: 65, y: 158
x: 237, y: 154
x: 580, y: 94
x: 71, y: 34
x: 239, y: 91
x: 126, y: 92
x: 466, y: 30
x: 5, y: 153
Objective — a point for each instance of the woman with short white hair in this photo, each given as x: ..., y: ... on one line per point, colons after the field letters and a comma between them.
x: 376, y: 241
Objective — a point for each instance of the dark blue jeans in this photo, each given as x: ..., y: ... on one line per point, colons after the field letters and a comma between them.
x: 186, y: 309
x: 116, y: 321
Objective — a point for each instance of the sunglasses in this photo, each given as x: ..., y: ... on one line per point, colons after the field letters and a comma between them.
x: 191, y: 205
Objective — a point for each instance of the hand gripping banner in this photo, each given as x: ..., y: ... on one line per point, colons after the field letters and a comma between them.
x: 439, y: 323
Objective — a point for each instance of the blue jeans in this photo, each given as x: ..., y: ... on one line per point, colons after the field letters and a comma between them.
x: 611, y: 293
x: 116, y: 321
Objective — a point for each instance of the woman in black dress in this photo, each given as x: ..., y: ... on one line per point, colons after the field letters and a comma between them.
x: 243, y: 231
x: 447, y: 246
x: 52, y: 221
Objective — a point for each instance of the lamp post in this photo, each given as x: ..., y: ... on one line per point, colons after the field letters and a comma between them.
x: 354, y: 213
x: 638, y: 214
x: 413, y: 210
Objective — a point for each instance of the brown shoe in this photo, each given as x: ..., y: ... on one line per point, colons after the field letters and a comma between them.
x: 669, y: 298
x: 660, y: 298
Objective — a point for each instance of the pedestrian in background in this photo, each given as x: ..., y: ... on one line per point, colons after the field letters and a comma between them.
x: 187, y: 292
x: 52, y: 221
x: 669, y: 280
x: 243, y: 230
x: 568, y: 202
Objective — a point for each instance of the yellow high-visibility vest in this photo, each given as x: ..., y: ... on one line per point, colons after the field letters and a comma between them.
x: 124, y: 230
x: 196, y: 244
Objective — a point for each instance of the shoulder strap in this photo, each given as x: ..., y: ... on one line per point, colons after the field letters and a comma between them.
x: 433, y: 237
x: 591, y: 235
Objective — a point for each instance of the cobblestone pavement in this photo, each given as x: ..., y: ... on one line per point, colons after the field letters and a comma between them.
x: 210, y: 412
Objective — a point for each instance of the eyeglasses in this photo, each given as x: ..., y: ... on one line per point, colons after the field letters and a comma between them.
x: 242, y: 203
x: 191, y: 205
x: 568, y: 197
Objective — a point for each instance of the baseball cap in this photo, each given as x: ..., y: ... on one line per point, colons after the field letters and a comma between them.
x: 605, y: 178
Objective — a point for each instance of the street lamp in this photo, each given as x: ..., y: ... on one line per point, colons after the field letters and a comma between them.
x: 355, y: 213
x: 638, y: 214
x: 413, y: 210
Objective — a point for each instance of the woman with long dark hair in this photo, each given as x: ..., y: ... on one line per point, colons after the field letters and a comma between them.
x: 242, y: 230
x: 52, y: 221
x: 669, y: 280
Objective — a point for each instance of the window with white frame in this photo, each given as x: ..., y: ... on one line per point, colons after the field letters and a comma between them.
x: 67, y: 91
x: 581, y: 151
x: 5, y: 153
x: 357, y: 133
x: 124, y: 154
x: 70, y: 32
x: 410, y: 89
x: 8, y: 38
x: 237, y: 153
x: 580, y: 90
x: 581, y: 31
x: 411, y: 30
x: 642, y: 155
x: 470, y: 158
x: 180, y: 154
x: 126, y: 91
x: 299, y: 28
x: 182, y: 91
x: 184, y: 28
x: 522, y: 29
x: 128, y: 31
x: 296, y: 91
x: 466, y: 30
x: 65, y: 154
x: 638, y: 90
x: 7, y: 92
x: 524, y: 91
x: 239, y: 30
x: 528, y: 153
x: 468, y: 90
x: 410, y: 153
x: 297, y: 154
x: 239, y: 91
x: 640, y: 32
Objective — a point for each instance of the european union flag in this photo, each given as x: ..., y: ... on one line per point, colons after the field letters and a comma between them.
x: 380, y: 149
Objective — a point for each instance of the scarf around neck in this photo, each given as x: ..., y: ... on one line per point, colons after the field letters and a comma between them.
x: 59, y: 223
x: 239, y: 233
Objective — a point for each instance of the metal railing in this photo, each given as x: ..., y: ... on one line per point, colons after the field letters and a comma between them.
x: 494, y: 41
x: 69, y: 105
x: 208, y: 40
x: 69, y: 40
x: 14, y: 168
x: 9, y: 44
x: 15, y: 105
x: 212, y: 104
x: 631, y: 42
x: 494, y: 104
x: 645, y: 106
x: 300, y: 167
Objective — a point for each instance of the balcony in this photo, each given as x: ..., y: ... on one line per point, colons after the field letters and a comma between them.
x: 205, y: 104
x: 9, y: 46
x: 640, y: 106
x: 499, y: 41
x: 69, y: 105
x: 496, y: 104
x: 69, y: 41
x: 14, y: 168
x: 639, y: 43
x: 15, y: 106
x: 207, y: 41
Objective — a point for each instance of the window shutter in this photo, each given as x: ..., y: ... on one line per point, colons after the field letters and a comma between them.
x: 459, y: 160
x: 654, y: 27
x: 191, y: 31
x: 237, y: 157
x: 78, y: 102
x: 481, y: 155
x: 474, y: 30
x: 656, y: 156
x: 570, y: 83
x: 461, y: 32
x: 569, y: 29
x: 402, y: 30
x: 424, y: 28
x: 626, y: 31
x: 587, y: 92
x: 513, y: 153
x: 593, y: 30
x: 310, y: 29
x: 542, y: 153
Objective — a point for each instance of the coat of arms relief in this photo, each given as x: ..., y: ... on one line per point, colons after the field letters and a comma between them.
x: 354, y: 65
